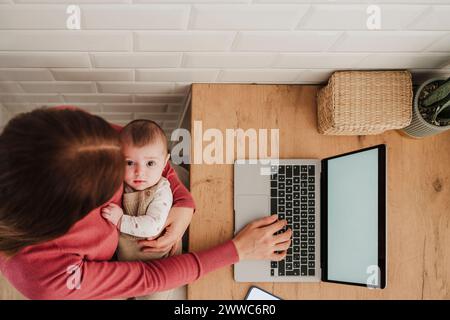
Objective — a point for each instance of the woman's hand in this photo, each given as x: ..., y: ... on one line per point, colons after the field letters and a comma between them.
x: 177, y: 222
x: 256, y: 241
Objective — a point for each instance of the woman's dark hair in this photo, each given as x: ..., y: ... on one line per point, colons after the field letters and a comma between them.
x: 55, y: 167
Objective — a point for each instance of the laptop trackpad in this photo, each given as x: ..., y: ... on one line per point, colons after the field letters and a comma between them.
x: 249, y: 208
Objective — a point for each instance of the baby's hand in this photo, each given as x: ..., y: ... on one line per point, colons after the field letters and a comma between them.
x: 113, y: 213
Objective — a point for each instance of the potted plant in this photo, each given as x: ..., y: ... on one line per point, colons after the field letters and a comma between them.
x: 431, y: 109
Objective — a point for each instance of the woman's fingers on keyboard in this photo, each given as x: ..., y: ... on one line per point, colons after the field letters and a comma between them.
x: 278, y: 256
x: 282, y: 237
x: 277, y: 226
x: 282, y: 246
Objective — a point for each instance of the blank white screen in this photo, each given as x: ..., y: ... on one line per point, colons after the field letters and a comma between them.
x: 352, y: 216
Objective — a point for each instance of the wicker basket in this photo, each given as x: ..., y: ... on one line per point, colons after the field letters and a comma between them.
x: 365, y: 102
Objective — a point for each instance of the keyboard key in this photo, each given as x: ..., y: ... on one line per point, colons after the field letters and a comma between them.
x: 281, y: 209
x: 296, y: 203
x: 303, y: 260
x: 296, y: 195
x: 296, y: 257
x: 311, y: 256
x: 303, y: 214
x: 303, y: 192
x: 281, y: 178
x: 281, y: 216
x: 311, y: 218
x: 289, y: 182
x: 289, y: 197
x: 311, y: 210
x: 296, y: 233
x: 303, y: 270
x: 311, y: 241
x: 296, y: 265
x: 311, y: 272
x: 281, y: 193
x: 296, y: 249
x: 296, y: 211
x: 311, y: 264
x: 311, y: 170
x: 311, y: 180
x: 303, y: 184
x: 273, y: 206
x: 311, y: 225
x: 304, y: 169
x: 289, y: 171
x: 296, y: 272
x: 311, y: 233
x: 289, y: 220
x: 303, y: 199
x: 303, y: 245
x: 311, y: 248
x: 304, y: 222
x: 273, y: 264
x: 288, y: 266
x: 281, y: 186
x: 303, y: 206
x: 288, y: 204
x: 296, y: 187
x: 303, y: 253
x: 296, y: 219
x: 272, y: 272
x: 303, y: 230
x: 303, y: 237
x: 311, y: 195
x: 288, y: 213
x: 290, y: 272
x: 273, y: 184
x: 296, y: 180
x: 311, y: 203
x: 281, y: 201
x: 311, y: 187
x: 296, y: 171
x: 303, y: 176
x: 273, y: 193
x: 281, y: 169
x: 296, y: 241
x: 296, y: 226
x: 288, y: 189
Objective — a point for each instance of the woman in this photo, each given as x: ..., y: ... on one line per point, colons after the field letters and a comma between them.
x: 58, y: 168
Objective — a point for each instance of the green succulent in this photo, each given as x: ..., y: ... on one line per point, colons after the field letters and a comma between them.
x: 434, y: 102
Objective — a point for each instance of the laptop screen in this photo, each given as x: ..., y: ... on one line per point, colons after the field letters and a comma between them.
x: 355, y: 221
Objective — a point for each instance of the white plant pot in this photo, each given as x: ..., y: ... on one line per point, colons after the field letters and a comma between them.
x: 419, y: 128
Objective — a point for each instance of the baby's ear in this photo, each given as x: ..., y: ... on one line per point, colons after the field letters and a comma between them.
x: 167, y: 158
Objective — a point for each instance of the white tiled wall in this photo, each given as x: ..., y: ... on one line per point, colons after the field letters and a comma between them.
x: 137, y: 58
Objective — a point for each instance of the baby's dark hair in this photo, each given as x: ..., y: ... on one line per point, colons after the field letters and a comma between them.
x: 142, y: 132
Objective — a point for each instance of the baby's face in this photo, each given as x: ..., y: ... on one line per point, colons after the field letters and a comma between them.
x: 144, y: 165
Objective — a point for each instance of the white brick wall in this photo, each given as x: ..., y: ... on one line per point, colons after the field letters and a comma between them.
x: 137, y: 58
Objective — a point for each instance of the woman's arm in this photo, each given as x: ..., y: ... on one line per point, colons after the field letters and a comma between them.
x: 59, y: 276
x: 50, y: 274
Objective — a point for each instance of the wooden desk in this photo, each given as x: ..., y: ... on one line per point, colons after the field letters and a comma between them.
x: 418, y: 193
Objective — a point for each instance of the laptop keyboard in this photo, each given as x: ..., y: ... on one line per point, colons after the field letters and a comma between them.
x: 293, y: 195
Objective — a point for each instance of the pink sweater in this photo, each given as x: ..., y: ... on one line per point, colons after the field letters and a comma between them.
x: 41, y: 271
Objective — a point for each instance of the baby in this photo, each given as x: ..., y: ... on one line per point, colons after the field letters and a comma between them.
x: 147, y: 197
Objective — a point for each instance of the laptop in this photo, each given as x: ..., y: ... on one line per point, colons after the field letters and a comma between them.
x: 336, y: 208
